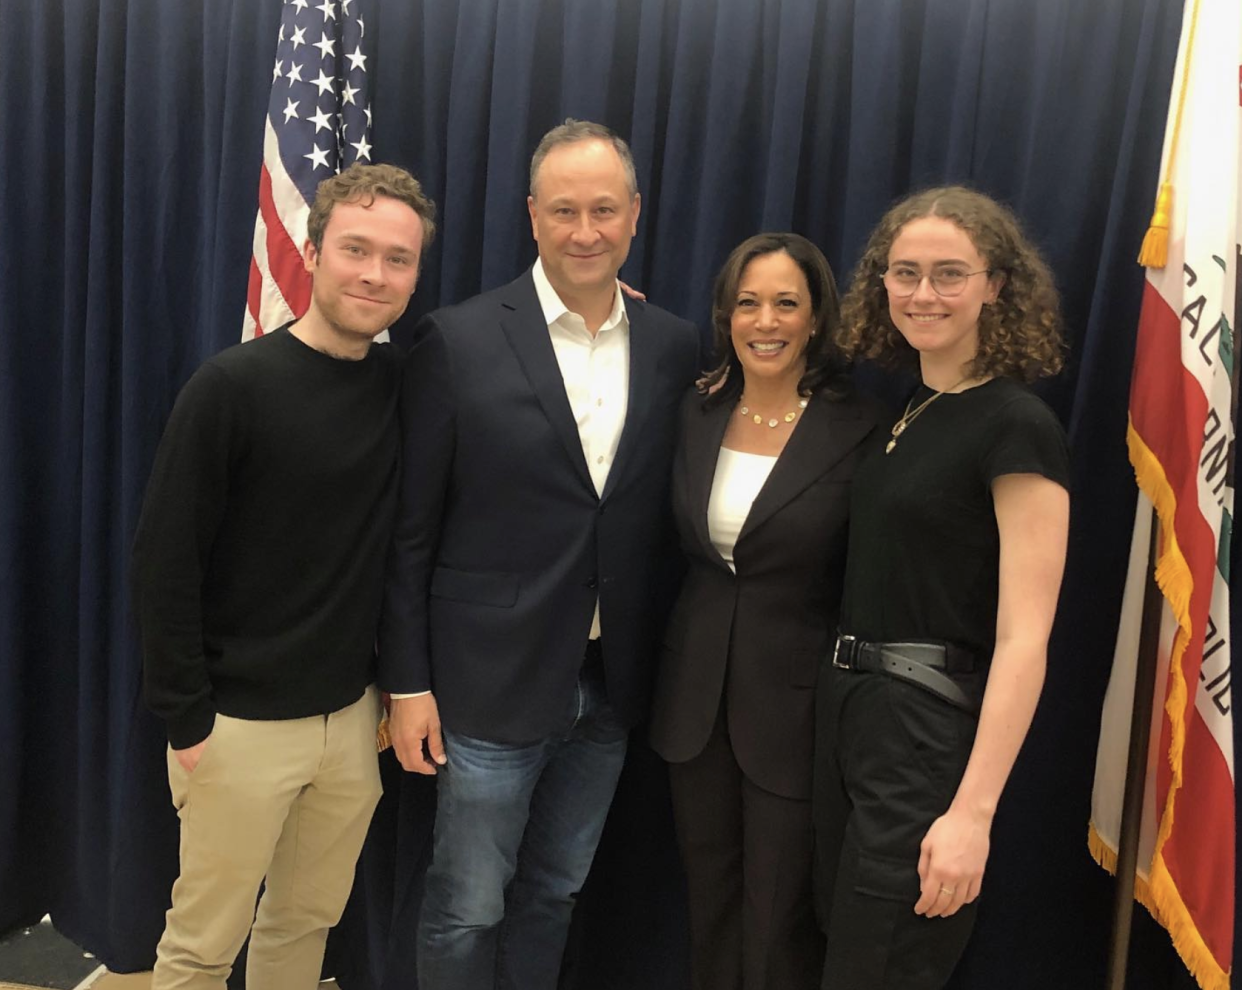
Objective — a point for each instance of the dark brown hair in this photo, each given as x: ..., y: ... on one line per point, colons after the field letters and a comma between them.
x: 1020, y: 335
x: 825, y: 367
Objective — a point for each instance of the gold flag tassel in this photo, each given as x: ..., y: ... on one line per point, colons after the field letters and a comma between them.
x: 1155, y: 250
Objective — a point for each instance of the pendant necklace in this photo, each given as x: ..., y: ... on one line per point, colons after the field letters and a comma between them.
x: 909, y: 416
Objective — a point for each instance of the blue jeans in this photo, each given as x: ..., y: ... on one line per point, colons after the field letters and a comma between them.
x: 516, y: 830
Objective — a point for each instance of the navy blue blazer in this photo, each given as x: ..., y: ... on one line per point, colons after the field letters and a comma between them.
x: 502, y: 544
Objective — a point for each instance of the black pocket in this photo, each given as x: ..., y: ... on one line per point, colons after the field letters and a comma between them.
x: 939, y: 735
x: 891, y: 880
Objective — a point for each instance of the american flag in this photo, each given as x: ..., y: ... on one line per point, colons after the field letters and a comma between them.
x: 318, y: 122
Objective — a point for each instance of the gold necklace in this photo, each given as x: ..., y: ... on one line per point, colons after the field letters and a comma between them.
x: 789, y: 417
x: 909, y: 417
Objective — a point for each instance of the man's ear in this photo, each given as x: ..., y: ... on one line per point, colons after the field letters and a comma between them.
x: 530, y: 208
x: 638, y: 207
x: 310, y: 257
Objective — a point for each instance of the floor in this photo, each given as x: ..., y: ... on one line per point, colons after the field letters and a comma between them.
x: 40, y: 958
x: 98, y: 980
x: 102, y: 980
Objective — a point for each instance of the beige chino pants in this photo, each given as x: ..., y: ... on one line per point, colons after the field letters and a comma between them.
x: 289, y: 801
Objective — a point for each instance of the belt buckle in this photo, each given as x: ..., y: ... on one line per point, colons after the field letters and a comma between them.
x: 836, y: 651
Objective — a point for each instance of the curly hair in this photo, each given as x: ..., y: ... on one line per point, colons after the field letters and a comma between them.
x: 825, y: 367
x: 1020, y: 334
x: 363, y: 183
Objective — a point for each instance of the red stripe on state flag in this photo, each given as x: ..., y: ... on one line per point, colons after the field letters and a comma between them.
x: 1204, y: 805
x: 1194, y: 787
x: 284, y: 258
x: 1166, y: 400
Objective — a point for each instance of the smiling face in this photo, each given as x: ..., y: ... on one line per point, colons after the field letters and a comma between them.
x: 772, y: 319
x: 943, y: 328
x: 366, y: 271
x: 583, y: 217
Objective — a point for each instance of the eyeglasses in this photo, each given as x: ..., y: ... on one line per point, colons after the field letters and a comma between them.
x: 903, y: 281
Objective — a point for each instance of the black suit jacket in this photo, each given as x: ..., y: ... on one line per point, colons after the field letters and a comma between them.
x: 502, y: 545
x: 758, y: 637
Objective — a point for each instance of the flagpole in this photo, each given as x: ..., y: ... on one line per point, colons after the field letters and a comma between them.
x: 1136, y: 769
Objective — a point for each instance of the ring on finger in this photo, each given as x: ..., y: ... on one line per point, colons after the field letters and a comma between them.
x: 947, y: 890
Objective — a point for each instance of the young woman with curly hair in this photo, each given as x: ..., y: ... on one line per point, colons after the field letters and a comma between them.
x: 958, y: 523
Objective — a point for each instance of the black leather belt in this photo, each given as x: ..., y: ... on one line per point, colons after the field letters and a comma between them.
x: 925, y: 665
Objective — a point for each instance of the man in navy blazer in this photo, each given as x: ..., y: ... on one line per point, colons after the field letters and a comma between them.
x: 519, y: 625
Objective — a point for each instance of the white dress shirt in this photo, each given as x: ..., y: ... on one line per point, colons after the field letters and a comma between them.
x: 596, y: 371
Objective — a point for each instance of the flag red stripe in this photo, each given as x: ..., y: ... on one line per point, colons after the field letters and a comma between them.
x: 1165, y: 400
x: 254, y: 292
x: 284, y: 258
x: 1165, y: 403
x: 1200, y: 853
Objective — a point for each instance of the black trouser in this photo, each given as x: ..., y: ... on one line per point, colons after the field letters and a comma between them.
x: 889, y: 757
x: 747, y: 854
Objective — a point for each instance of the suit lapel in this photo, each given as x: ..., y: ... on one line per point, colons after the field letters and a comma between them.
x: 826, y: 432
x: 523, y: 324
x: 643, y: 354
x: 705, y: 430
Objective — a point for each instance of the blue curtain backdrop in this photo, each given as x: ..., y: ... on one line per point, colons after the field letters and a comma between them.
x: 130, y: 144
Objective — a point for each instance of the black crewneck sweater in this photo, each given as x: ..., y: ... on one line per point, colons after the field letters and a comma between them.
x: 259, y: 558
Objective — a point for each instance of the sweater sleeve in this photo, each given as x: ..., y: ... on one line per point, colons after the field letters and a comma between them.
x: 428, y: 442
x: 185, y: 502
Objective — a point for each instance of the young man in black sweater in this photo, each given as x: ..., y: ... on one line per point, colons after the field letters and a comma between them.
x: 258, y: 573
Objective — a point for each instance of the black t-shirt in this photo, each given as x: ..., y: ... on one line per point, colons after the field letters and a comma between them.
x: 924, y: 551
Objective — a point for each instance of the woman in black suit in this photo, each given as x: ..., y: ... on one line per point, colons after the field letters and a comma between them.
x: 760, y: 490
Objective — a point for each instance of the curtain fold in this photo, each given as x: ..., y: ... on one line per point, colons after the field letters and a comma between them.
x: 130, y: 145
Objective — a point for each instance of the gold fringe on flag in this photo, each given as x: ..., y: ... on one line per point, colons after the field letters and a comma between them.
x: 1159, y: 894
x: 1160, y: 897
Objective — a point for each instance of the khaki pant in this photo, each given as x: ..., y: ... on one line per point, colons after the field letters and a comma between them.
x: 289, y: 801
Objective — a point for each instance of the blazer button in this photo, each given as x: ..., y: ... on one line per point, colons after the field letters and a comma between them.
x: 592, y: 583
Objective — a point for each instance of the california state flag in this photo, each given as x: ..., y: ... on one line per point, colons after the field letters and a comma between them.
x: 1181, y: 444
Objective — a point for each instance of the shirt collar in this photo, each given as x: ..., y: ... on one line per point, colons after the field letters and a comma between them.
x: 553, y: 308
